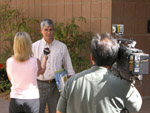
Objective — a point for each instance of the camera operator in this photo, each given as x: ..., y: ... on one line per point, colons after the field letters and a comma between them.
x: 97, y: 90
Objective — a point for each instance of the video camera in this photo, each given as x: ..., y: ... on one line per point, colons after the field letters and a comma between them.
x: 131, y: 63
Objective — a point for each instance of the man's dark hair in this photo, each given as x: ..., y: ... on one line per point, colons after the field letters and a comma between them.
x: 104, y: 49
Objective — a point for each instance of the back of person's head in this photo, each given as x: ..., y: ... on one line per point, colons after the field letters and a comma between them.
x: 104, y: 49
x: 22, y: 46
x: 47, y: 22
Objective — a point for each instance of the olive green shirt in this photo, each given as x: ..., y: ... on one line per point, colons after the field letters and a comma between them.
x: 97, y: 90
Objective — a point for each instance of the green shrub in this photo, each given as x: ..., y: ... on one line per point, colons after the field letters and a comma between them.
x: 11, y: 21
x: 4, y: 82
x: 78, y: 42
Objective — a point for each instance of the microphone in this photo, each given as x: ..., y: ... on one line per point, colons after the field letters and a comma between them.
x: 46, y: 51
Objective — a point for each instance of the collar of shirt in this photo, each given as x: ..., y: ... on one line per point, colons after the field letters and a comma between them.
x: 46, y: 44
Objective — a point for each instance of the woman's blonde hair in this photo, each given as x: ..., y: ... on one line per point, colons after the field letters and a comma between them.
x: 22, y: 46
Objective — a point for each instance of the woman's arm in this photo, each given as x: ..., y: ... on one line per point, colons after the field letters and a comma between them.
x: 7, y: 73
x: 8, y: 77
x: 42, y: 65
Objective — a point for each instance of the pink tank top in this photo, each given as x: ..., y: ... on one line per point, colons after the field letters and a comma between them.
x: 23, y: 77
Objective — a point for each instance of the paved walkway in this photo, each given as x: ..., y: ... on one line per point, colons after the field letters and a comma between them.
x: 145, y: 107
x: 4, y: 106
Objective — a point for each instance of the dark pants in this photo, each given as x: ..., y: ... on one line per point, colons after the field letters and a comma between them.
x: 49, y: 95
x: 24, y: 105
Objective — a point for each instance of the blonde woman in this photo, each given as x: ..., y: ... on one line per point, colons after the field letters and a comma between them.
x: 22, y: 70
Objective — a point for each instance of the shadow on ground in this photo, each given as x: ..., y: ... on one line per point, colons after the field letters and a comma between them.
x: 4, y: 103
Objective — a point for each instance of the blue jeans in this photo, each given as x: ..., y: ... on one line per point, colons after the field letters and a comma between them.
x: 49, y: 94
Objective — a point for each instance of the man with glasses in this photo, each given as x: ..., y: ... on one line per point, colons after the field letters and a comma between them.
x: 57, y: 59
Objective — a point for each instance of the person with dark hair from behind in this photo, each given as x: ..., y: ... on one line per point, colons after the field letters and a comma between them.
x: 22, y: 70
x: 97, y: 90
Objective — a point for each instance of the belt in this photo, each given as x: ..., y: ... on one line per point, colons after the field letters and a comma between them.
x: 47, y: 81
